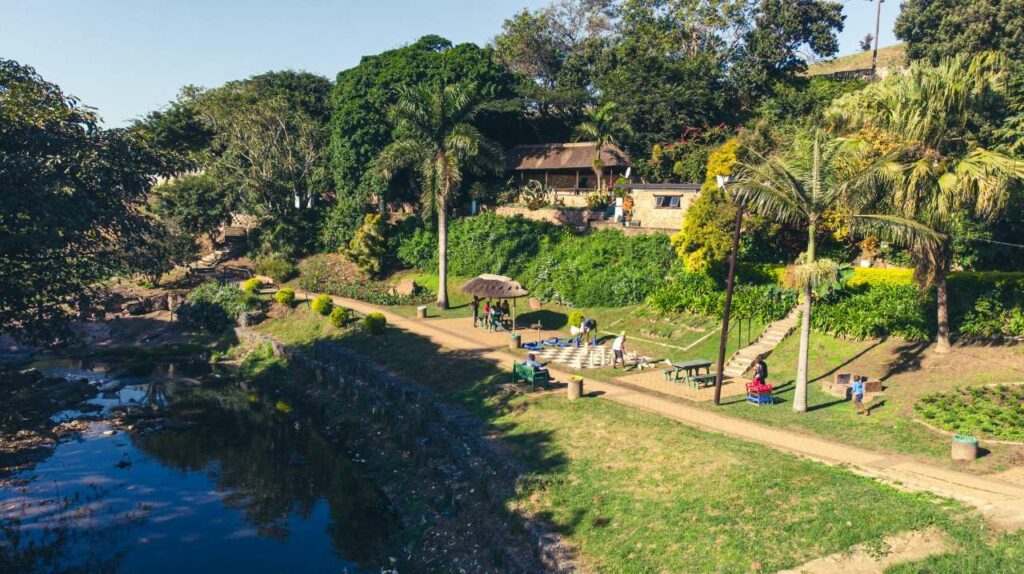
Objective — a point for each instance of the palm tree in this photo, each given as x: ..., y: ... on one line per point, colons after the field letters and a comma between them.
x: 603, y: 127
x: 436, y: 139
x: 938, y: 170
x: 799, y: 188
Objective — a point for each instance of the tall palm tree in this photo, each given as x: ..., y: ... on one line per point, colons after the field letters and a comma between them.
x: 603, y: 127
x: 798, y: 188
x: 937, y: 169
x: 436, y: 139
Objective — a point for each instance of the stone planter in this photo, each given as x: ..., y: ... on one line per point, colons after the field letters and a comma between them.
x: 421, y: 312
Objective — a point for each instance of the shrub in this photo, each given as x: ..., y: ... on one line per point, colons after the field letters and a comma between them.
x: 880, y: 276
x: 375, y: 323
x: 252, y: 286
x: 276, y: 267
x: 875, y: 311
x: 603, y: 269
x: 322, y: 304
x: 214, y: 307
x: 340, y: 316
x: 987, y: 412
x: 332, y: 274
x: 369, y: 245
x: 700, y: 294
x: 285, y: 296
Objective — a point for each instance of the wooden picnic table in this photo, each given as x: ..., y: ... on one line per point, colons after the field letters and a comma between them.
x: 691, y: 372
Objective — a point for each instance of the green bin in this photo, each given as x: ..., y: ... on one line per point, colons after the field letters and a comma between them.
x: 965, y: 448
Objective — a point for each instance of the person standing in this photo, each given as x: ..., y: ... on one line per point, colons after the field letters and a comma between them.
x: 857, y: 392
x: 760, y: 371
x: 619, y: 350
x: 476, y: 310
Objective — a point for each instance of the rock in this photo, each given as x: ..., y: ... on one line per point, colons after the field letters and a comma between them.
x: 29, y: 376
x: 535, y: 304
x: 135, y: 307
x: 250, y: 318
x: 406, y: 287
x: 156, y: 303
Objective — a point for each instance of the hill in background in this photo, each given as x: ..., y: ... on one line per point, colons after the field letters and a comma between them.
x: 888, y: 57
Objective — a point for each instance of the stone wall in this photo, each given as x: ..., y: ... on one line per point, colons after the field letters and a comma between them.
x: 645, y: 211
x: 573, y: 217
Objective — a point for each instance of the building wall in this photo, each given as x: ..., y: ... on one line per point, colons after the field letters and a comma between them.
x: 649, y: 215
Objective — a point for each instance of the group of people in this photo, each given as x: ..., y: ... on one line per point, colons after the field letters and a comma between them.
x: 494, y: 314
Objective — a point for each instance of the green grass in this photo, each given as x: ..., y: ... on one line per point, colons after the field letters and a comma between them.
x: 1005, y: 556
x: 638, y: 493
x: 888, y: 56
x: 299, y: 326
x: 459, y: 303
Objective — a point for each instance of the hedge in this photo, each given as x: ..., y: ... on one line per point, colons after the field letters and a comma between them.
x: 700, y: 294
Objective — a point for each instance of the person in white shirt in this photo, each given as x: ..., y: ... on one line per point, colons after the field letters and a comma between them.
x: 619, y: 349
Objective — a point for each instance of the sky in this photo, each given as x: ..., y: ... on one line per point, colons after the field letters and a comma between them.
x: 128, y: 57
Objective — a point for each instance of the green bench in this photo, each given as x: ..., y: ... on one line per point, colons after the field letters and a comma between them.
x: 527, y: 373
x: 699, y: 381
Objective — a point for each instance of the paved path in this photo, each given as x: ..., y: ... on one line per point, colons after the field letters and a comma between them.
x: 1000, y: 501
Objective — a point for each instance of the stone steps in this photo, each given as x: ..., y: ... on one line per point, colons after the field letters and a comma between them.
x: 773, y: 334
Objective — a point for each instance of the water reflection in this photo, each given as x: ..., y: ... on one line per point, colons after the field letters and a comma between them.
x: 232, y: 483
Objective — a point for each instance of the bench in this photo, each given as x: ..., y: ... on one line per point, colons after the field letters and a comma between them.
x: 699, y: 381
x: 529, y: 374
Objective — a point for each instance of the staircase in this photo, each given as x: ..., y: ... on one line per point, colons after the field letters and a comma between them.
x: 772, y: 335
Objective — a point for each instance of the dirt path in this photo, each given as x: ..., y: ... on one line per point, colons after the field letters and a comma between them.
x: 1002, y: 502
x: 874, y: 559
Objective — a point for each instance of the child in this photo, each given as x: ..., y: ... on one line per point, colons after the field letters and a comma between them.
x: 760, y: 370
x: 857, y: 390
x: 487, y: 314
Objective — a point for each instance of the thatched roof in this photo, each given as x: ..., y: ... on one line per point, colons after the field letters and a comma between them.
x: 563, y: 156
x: 488, y: 286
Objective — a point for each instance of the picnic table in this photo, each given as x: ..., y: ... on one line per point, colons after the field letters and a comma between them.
x: 690, y: 372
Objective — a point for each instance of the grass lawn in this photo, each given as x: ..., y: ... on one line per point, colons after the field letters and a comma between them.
x: 634, y: 492
x: 459, y: 303
x: 298, y: 325
x: 908, y: 371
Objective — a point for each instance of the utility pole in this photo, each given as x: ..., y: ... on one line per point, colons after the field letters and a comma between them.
x: 878, y: 23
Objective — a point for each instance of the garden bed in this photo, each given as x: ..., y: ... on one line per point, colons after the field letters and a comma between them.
x: 993, y: 412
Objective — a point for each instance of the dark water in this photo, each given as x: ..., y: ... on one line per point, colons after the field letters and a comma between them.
x: 234, y: 482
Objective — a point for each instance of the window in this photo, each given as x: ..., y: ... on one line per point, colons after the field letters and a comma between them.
x: 666, y: 201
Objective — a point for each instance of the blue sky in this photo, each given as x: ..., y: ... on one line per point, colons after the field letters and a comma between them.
x: 127, y: 57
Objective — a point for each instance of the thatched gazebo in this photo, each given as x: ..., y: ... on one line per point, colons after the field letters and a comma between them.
x: 489, y: 286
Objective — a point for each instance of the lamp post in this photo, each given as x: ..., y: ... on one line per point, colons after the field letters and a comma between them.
x: 723, y: 181
x: 874, y: 55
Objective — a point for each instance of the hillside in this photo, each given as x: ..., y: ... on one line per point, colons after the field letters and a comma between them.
x: 888, y: 57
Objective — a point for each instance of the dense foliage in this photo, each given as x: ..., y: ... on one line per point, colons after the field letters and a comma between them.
x: 215, y: 307
x: 700, y: 294
x: 986, y: 412
x: 276, y: 267
x: 487, y: 243
x: 71, y: 212
x: 935, y: 29
x: 602, y: 269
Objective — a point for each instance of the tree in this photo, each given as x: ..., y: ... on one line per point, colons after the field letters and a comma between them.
x: 603, y: 127
x: 369, y: 246
x: 938, y: 168
x: 802, y: 187
x: 72, y: 198
x: 196, y: 204
x: 937, y: 29
x: 437, y: 139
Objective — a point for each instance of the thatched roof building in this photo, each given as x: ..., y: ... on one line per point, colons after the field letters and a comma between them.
x: 566, y: 166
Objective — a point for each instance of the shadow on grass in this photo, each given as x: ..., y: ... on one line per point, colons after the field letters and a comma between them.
x: 908, y: 358
x: 848, y: 360
x: 550, y: 320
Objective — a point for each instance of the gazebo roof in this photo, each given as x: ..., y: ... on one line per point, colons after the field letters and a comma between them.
x: 494, y: 287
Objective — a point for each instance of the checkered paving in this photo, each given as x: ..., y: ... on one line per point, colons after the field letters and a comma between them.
x: 578, y: 357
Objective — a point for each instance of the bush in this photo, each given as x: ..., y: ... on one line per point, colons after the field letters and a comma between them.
x: 486, y: 243
x: 322, y: 304
x: 875, y: 311
x: 340, y: 316
x: 252, y: 286
x: 879, y: 276
x: 368, y: 247
x: 330, y: 273
x: 285, y: 296
x: 986, y: 412
x: 603, y: 269
x: 214, y: 307
x: 375, y: 323
x: 700, y: 294
x: 276, y: 267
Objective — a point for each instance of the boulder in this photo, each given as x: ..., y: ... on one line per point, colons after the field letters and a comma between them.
x: 156, y: 302
x: 406, y: 288
x: 250, y: 318
x: 135, y: 307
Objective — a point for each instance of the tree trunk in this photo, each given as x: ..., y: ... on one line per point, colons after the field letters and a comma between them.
x: 800, y: 391
x: 942, y: 344
x: 442, y: 252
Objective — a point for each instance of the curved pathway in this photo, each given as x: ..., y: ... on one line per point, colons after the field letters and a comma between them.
x: 1000, y: 501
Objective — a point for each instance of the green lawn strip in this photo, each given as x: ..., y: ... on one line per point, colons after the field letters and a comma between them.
x: 639, y: 493
x: 299, y: 326
x: 1005, y: 556
x: 459, y: 303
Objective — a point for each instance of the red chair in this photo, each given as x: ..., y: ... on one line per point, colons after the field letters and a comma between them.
x: 759, y: 393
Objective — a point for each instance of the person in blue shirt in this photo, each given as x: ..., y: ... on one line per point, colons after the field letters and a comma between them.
x: 857, y: 391
x: 531, y: 361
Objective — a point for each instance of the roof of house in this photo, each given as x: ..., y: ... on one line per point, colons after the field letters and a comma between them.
x: 659, y: 186
x: 564, y: 156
